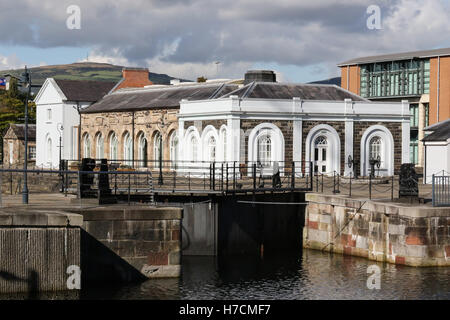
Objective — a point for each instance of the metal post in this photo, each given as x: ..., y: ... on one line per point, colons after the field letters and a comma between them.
x: 234, y: 175
x: 293, y: 176
x: 221, y: 177
x: 79, y: 186
x: 160, y: 178
x: 227, y: 177
x: 214, y: 176
x: 350, y: 192
x: 25, y: 162
x: 322, y: 183
x: 129, y: 188
x: 370, y: 186
x: 174, y: 178
x: 317, y: 182
x: 254, y: 177
x: 334, y: 181
x: 432, y: 191
x: 392, y: 190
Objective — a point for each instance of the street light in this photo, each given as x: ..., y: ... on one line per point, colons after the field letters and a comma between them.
x: 60, y: 129
x: 25, y: 80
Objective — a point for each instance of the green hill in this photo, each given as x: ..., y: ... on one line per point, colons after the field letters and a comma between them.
x: 83, y: 71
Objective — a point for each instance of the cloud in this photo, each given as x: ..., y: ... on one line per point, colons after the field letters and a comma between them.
x: 10, y: 62
x: 187, y: 37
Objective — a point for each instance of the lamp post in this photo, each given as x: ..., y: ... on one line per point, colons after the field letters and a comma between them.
x: 60, y: 129
x: 27, y: 82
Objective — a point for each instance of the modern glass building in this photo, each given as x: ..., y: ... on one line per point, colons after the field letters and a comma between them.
x: 421, y: 77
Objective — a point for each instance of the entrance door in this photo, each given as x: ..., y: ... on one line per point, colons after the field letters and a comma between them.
x: 321, y: 155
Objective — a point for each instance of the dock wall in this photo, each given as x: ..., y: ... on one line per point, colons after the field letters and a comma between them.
x: 399, y: 234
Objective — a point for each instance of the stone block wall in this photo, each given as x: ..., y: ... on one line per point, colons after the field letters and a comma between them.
x: 39, y: 251
x: 147, y: 239
x: 414, y: 236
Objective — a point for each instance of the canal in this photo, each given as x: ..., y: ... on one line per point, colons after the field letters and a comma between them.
x: 313, y: 275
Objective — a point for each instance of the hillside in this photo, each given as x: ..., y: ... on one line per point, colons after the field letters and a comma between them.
x: 336, y: 81
x: 83, y: 71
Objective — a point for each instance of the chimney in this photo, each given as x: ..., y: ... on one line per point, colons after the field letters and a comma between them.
x: 134, y: 78
x: 260, y: 76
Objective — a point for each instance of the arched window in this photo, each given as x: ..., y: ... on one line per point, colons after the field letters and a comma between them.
x: 128, y: 150
x: 174, y: 149
x: 49, y: 150
x: 194, y: 148
x: 157, y: 149
x: 87, y: 146
x: 113, y: 147
x: 100, y: 154
x: 375, y: 148
x: 211, y: 149
x: 265, y: 151
x: 142, y: 151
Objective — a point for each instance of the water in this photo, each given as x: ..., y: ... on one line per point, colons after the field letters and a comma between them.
x: 314, y: 275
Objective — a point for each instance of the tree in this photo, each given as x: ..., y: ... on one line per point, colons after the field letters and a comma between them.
x: 201, y: 79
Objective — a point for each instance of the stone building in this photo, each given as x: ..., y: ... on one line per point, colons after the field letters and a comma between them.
x: 260, y: 121
x: 14, y: 145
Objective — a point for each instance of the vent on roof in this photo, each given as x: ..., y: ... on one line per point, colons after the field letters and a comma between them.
x: 260, y: 76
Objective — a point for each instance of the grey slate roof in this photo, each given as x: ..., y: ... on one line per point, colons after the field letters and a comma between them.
x: 398, y: 56
x: 87, y: 91
x: 166, y: 97
x: 19, y: 131
x: 274, y: 90
x: 441, y: 131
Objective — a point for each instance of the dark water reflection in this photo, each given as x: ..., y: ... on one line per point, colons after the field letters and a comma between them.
x: 314, y: 275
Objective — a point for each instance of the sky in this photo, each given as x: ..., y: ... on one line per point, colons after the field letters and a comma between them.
x: 302, y: 40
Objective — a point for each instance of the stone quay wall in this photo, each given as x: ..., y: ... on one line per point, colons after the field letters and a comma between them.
x: 39, y: 251
x: 395, y: 233
x: 144, y: 242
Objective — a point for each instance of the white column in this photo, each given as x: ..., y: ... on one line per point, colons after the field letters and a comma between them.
x: 234, y: 138
x: 349, y: 111
x: 181, y: 141
x: 297, y: 145
x: 405, y: 132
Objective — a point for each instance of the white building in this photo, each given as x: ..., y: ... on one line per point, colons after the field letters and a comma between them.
x: 57, y: 105
x: 437, y: 150
x: 266, y: 122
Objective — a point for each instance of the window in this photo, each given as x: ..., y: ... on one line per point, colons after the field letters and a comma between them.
x: 414, y: 111
x: 87, y: 146
x: 174, y: 149
x: 427, y: 114
x: 157, y: 149
x: 113, y: 147
x: 409, y: 77
x: 49, y: 150
x: 375, y: 148
x: 212, y: 149
x: 414, y: 147
x: 224, y: 143
x: 49, y: 114
x: 264, y: 151
x: 32, y: 153
x: 11, y: 152
x: 194, y: 147
x: 100, y: 154
x: 142, y: 151
x: 128, y: 149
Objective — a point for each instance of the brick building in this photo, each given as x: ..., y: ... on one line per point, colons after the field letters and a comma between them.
x: 14, y: 145
x: 421, y: 77
x: 259, y: 121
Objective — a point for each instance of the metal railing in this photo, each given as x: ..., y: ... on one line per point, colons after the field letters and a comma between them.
x: 440, y: 191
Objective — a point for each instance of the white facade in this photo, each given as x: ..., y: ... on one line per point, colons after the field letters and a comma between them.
x: 437, y: 159
x: 377, y: 139
x: 53, y: 111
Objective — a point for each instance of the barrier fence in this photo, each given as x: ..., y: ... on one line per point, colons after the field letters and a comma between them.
x: 127, y: 183
x: 441, y: 191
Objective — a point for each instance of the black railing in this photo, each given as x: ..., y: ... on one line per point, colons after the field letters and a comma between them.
x: 441, y: 191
